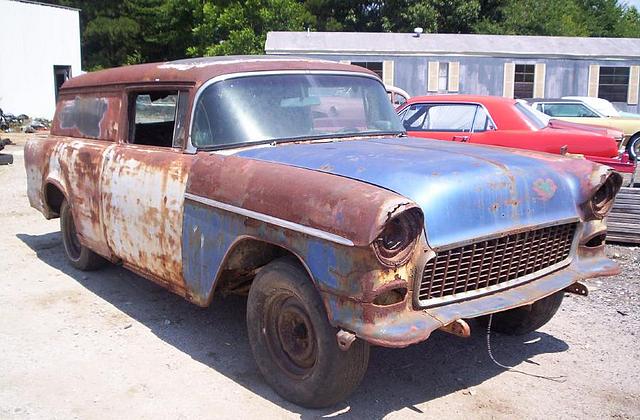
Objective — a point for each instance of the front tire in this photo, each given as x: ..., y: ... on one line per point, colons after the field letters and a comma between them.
x: 78, y: 255
x: 526, y: 319
x: 293, y: 343
x: 634, y: 147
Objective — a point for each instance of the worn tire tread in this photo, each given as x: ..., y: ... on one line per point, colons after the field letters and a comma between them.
x: 88, y: 260
x: 346, y: 369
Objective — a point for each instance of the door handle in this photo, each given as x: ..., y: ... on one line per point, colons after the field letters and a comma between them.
x: 461, y: 138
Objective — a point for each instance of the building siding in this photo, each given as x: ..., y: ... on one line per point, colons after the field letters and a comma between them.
x: 37, y: 38
x: 485, y: 75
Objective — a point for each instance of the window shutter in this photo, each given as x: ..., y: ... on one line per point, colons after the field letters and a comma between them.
x: 508, y: 81
x: 538, y: 80
x: 432, y: 77
x: 387, y: 72
x: 345, y: 62
x: 453, y: 81
x: 594, y: 80
x: 634, y: 81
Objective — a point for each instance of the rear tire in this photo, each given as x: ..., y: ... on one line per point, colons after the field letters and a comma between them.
x: 293, y: 343
x: 525, y: 319
x: 634, y: 147
x: 78, y: 255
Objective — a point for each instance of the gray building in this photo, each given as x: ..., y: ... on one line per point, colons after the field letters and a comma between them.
x: 502, y: 65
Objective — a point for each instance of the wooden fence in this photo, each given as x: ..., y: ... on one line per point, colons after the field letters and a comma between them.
x: 624, y: 220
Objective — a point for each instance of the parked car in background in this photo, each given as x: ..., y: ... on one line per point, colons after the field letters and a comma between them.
x: 293, y: 181
x: 397, y: 96
x: 577, y: 111
x: 603, y: 106
x: 507, y: 122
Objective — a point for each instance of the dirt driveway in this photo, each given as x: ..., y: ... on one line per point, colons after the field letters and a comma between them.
x: 109, y: 344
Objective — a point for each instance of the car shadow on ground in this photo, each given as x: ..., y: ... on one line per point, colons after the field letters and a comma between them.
x: 216, y: 336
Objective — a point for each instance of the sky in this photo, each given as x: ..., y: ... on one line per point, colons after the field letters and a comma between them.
x: 635, y: 3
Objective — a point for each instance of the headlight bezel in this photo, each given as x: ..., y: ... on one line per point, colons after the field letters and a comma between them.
x: 397, y: 239
x: 601, y: 201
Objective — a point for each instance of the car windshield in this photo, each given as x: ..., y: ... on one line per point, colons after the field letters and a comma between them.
x: 280, y: 107
x: 600, y: 105
x: 574, y: 109
x: 536, y: 118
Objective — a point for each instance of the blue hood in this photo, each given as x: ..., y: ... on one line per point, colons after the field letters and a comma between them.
x: 465, y: 191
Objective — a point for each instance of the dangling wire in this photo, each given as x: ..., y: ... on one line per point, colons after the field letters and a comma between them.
x: 559, y: 379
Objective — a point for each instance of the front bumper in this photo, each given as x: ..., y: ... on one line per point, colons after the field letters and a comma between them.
x: 401, y: 325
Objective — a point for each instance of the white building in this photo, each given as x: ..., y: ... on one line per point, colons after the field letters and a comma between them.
x: 40, y: 50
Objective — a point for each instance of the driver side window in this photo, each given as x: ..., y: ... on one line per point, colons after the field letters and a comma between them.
x: 482, y: 122
x: 157, y: 118
x: 440, y: 117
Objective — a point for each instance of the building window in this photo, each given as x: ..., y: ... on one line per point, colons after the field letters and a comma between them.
x: 613, y: 84
x: 443, y: 77
x: 524, y: 80
x: 374, y: 66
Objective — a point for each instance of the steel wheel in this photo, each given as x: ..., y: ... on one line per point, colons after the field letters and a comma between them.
x: 293, y: 343
x: 290, y: 336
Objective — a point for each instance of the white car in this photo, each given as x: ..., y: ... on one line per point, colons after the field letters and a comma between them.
x: 603, y: 106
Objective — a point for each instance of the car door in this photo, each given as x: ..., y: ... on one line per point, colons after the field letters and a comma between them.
x: 143, y: 185
x: 442, y: 121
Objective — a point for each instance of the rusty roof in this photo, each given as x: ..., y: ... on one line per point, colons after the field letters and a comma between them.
x: 199, y: 70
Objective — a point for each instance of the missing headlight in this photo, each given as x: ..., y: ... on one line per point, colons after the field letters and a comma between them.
x: 396, y: 241
x: 602, y: 200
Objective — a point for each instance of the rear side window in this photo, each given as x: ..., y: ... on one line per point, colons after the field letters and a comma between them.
x: 87, y: 116
x: 440, y: 117
x: 152, y: 117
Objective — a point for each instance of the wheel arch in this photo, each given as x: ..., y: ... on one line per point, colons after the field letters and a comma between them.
x: 242, y: 261
x: 53, y: 196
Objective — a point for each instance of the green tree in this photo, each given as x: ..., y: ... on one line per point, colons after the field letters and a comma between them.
x: 110, y: 41
x: 116, y: 32
x: 166, y: 26
x: 132, y: 31
x: 600, y: 18
x: 108, y: 34
x: 394, y: 15
x: 240, y: 27
x: 629, y: 24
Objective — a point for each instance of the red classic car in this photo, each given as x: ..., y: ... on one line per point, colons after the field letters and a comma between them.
x: 508, y: 122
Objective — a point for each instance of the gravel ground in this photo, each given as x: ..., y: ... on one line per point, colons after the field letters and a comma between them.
x: 109, y: 344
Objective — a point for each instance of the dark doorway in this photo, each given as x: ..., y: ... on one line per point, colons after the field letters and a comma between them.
x: 60, y: 75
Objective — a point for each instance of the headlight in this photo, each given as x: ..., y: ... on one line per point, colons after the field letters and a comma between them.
x: 395, y: 243
x: 602, y: 200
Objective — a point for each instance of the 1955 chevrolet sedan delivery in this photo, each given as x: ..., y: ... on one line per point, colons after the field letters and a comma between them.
x: 293, y: 181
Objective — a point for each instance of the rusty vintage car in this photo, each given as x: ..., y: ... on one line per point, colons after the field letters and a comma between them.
x: 293, y: 181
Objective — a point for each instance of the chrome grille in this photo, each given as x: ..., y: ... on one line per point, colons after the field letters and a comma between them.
x: 494, y: 261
